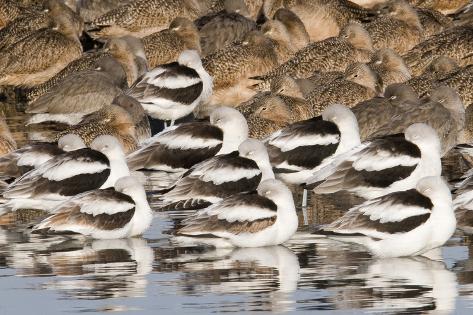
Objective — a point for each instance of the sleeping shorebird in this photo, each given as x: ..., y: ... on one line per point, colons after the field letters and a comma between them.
x: 302, y: 148
x: 31, y: 156
x: 67, y: 175
x: 178, y: 148
x: 119, y: 212
x: 221, y: 176
x: 263, y: 218
x: 383, y: 165
x: 403, y: 223
x: 173, y: 90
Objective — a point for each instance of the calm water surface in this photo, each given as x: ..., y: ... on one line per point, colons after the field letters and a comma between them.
x: 54, y: 275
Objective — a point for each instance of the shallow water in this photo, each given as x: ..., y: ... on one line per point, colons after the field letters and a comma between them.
x: 55, y: 275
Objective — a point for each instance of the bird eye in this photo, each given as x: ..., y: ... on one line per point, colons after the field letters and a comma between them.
x: 355, y: 76
x: 263, y: 108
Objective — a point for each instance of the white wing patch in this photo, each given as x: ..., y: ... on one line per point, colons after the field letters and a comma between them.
x: 288, y: 143
x: 227, y: 174
x: 175, y: 82
x: 185, y: 142
x: 72, y: 168
x: 237, y: 213
x: 386, y: 212
x: 33, y: 158
x: 382, y: 160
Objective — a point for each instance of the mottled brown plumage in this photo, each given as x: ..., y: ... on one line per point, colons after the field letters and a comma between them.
x: 142, y: 17
x: 226, y: 27
x: 374, y: 113
x: 442, y: 109
x: 461, y: 81
x: 389, y: 66
x: 253, y: 6
x: 438, y: 69
x: 283, y: 109
x: 332, y: 54
x: 109, y: 120
x: 433, y: 22
x: 295, y: 27
x: 456, y: 43
x: 166, y: 46
x: 138, y: 116
x: 89, y: 10
x: 397, y: 27
x: 359, y: 83
x: 318, y: 80
x: 31, y: 21
x: 126, y: 50
x: 285, y: 85
x: 83, y: 92
x: 232, y: 67
x: 281, y: 39
x: 444, y: 6
x: 325, y: 18
x: 268, y: 112
x: 39, y: 56
x: 10, y: 10
x: 7, y: 143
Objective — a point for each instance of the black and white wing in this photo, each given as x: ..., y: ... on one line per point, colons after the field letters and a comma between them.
x: 104, y: 210
x: 378, y: 164
x: 398, y: 212
x: 167, y: 85
x: 212, y: 180
x: 22, y: 160
x: 65, y: 175
x: 178, y: 148
x: 242, y: 213
x: 302, y: 145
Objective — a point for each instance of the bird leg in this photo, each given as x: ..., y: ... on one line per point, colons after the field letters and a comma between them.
x: 304, y: 207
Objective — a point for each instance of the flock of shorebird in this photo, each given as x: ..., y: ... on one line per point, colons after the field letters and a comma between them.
x: 259, y: 98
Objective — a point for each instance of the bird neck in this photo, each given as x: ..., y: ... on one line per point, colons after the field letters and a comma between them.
x: 349, y: 137
x: 266, y: 170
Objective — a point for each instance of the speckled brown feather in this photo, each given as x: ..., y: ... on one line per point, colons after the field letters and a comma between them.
x: 433, y: 22
x: 390, y: 67
x: 142, y: 17
x: 88, y: 61
x: 32, y: 20
x: 359, y: 83
x: 444, y: 6
x: 81, y: 92
x: 166, y: 46
x: 7, y: 143
x: 110, y: 120
x: 10, y: 10
x: 398, y: 28
x: 456, y: 43
x: 331, y: 54
x: 39, y: 56
x: 224, y: 29
x: 440, y: 68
